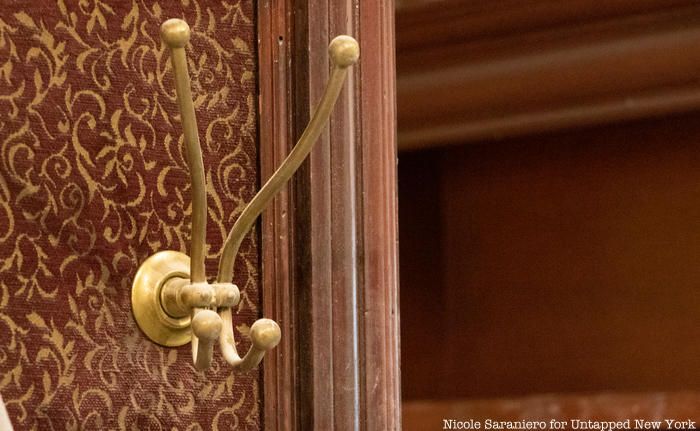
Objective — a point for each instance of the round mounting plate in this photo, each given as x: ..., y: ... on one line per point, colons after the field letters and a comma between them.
x: 145, y: 298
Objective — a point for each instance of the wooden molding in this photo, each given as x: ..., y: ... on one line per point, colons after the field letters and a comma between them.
x: 330, y: 244
x: 279, y: 292
x: 513, y: 69
x: 652, y: 406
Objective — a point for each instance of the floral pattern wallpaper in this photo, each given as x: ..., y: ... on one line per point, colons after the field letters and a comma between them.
x: 93, y: 180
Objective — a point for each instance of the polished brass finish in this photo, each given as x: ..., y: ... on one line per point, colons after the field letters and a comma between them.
x: 344, y: 51
x: 158, y: 270
x: 264, y: 335
x: 176, y: 34
x: 170, y: 298
x: 210, y: 305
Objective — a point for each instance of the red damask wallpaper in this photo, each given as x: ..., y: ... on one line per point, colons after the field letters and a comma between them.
x: 92, y: 181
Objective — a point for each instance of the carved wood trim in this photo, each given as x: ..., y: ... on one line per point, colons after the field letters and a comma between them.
x: 330, y: 244
x: 280, y: 370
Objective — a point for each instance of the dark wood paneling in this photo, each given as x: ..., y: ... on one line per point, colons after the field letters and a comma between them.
x: 469, y: 72
x: 443, y: 31
x: 422, y: 273
x: 281, y: 372
x: 337, y: 232
x: 655, y: 406
x: 570, y: 264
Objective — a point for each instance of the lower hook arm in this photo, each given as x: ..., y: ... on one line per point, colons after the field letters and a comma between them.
x: 265, y: 334
x: 206, y: 328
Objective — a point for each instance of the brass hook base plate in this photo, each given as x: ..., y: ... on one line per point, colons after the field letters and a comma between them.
x: 145, y: 298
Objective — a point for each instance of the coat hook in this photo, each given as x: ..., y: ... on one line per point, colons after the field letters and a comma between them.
x: 172, y: 301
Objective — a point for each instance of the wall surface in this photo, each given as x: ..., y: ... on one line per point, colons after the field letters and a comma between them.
x: 92, y: 181
x: 563, y: 263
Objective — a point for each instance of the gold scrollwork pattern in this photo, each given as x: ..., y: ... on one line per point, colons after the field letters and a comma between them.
x: 92, y: 181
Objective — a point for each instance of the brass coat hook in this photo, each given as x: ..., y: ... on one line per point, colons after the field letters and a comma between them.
x: 172, y: 301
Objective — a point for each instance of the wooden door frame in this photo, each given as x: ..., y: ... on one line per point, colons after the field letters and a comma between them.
x: 329, y: 244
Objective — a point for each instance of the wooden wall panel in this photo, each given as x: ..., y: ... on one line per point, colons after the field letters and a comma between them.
x: 333, y: 283
x: 469, y: 71
x: 422, y: 264
x: 655, y: 406
x: 569, y: 259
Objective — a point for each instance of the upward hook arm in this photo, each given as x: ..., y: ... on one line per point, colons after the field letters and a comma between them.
x: 265, y: 333
x: 344, y: 52
x: 206, y: 325
x: 176, y: 34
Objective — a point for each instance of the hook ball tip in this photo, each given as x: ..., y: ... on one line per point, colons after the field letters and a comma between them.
x: 175, y: 33
x: 207, y: 325
x: 265, y: 334
x: 344, y: 51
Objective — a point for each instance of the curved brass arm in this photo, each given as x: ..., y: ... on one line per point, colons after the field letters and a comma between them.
x: 176, y: 33
x: 265, y: 333
x: 165, y: 300
x: 344, y: 52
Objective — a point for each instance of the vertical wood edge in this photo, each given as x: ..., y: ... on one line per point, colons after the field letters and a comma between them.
x: 280, y: 376
x: 333, y: 257
x: 382, y: 384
